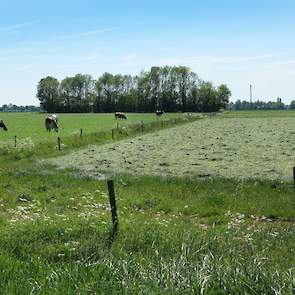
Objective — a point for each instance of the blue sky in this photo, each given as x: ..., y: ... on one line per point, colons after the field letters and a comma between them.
x: 237, y: 42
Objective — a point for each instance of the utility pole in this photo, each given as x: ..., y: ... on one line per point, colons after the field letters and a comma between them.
x: 251, y: 94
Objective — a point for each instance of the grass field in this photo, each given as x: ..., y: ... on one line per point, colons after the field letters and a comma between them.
x: 32, y: 125
x: 177, y: 234
x: 261, y: 147
x: 33, y: 139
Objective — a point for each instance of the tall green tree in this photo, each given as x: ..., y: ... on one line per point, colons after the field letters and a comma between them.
x: 223, y: 96
x: 168, y: 88
x: 207, y: 98
x: 48, y: 94
x: 77, y: 93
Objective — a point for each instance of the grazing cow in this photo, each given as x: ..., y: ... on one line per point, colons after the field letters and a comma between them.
x: 119, y: 115
x: 2, y: 125
x: 51, y: 123
x: 159, y: 113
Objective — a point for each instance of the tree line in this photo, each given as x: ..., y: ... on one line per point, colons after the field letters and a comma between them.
x: 171, y: 89
x: 18, y: 109
x: 258, y: 105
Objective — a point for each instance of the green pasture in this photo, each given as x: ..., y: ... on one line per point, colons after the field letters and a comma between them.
x: 32, y: 125
x: 32, y: 139
x: 177, y: 235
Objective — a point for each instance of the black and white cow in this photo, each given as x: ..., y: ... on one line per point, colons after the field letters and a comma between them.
x: 159, y: 113
x: 120, y: 115
x: 51, y: 123
x: 2, y: 125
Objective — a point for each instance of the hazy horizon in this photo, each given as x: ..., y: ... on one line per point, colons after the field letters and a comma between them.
x: 236, y: 42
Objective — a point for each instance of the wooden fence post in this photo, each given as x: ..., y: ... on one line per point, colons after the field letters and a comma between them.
x: 81, y: 132
x: 15, y: 141
x: 113, y: 134
x: 58, y: 143
x: 117, y: 125
x: 142, y: 127
x: 294, y: 177
x: 112, y: 199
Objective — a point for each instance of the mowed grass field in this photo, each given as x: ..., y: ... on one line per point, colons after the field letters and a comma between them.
x: 229, y: 147
x: 178, y: 233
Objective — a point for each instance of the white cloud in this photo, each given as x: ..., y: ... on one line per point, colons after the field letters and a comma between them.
x: 17, y: 26
x: 218, y: 59
x: 130, y: 57
x: 25, y: 68
x: 286, y: 63
x: 86, y: 34
x: 90, y: 57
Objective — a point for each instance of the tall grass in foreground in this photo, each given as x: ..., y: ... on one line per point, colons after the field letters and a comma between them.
x: 175, y: 236
x: 74, y: 257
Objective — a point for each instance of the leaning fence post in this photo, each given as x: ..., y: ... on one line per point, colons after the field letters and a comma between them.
x: 58, y: 143
x: 15, y: 141
x: 294, y: 177
x: 112, y: 199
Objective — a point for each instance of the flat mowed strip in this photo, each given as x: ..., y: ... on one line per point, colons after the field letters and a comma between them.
x: 176, y: 235
x: 220, y: 147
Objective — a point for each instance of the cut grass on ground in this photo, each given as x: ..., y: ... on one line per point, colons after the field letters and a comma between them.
x: 257, y: 148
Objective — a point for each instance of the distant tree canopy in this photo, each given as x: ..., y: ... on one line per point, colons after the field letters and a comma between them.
x: 14, y: 108
x: 292, y: 105
x: 171, y: 89
x: 258, y: 105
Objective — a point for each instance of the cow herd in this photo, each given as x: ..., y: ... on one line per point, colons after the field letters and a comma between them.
x: 51, y: 122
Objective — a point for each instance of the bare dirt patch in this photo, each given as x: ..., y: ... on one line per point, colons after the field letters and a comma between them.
x: 219, y: 147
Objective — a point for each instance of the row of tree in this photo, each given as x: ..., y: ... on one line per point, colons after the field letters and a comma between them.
x: 171, y: 89
x: 258, y: 105
x: 21, y: 109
